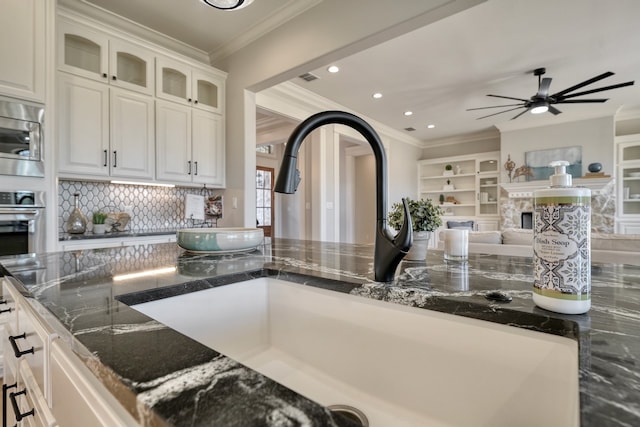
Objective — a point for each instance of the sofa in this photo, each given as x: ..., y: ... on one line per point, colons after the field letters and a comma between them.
x: 623, y: 248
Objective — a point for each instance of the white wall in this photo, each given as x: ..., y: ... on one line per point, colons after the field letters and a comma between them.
x: 365, y: 199
x: 595, y: 136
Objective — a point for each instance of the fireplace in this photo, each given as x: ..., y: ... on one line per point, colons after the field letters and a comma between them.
x: 516, y: 203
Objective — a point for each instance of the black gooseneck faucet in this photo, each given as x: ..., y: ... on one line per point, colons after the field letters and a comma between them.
x: 389, y: 249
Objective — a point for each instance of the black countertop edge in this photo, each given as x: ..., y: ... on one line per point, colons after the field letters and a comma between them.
x: 65, y: 237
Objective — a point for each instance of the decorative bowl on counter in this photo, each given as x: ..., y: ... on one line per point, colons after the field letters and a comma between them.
x: 219, y: 240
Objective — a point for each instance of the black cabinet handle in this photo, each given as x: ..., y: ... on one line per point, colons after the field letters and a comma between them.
x: 106, y: 155
x: 8, y: 310
x: 6, y: 387
x: 196, y: 163
x: 196, y: 101
x: 16, y: 408
x: 3, y: 301
x: 189, y: 99
x: 104, y: 75
x: 16, y: 350
x: 115, y: 158
x: 189, y: 164
x: 114, y: 78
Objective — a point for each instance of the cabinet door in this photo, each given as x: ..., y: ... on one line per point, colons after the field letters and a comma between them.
x: 173, y: 142
x: 173, y: 81
x: 78, y: 398
x: 208, y: 91
x: 130, y: 66
x: 132, y: 134
x: 83, y: 126
x: 83, y: 51
x: 22, y: 49
x: 208, y: 148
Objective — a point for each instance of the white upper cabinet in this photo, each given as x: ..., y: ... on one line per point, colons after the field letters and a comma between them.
x: 22, y: 49
x: 104, y: 132
x: 180, y: 82
x: 87, y: 52
x: 190, y: 145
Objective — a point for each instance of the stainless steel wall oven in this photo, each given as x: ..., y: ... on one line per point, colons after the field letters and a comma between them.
x: 21, y: 138
x: 22, y: 222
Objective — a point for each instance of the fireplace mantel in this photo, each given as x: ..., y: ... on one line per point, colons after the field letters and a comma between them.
x: 524, y: 190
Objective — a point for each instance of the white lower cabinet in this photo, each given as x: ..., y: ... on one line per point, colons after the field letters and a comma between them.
x: 26, y: 342
x: 45, y: 383
x: 78, y: 399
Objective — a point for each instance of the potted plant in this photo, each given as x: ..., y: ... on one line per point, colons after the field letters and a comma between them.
x: 99, y: 226
x: 425, y: 218
x: 448, y: 170
x: 441, y: 199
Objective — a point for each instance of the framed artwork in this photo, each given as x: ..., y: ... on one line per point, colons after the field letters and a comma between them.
x: 539, y: 161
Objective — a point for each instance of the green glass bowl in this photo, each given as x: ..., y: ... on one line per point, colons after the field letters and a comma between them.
x: 220, y: 240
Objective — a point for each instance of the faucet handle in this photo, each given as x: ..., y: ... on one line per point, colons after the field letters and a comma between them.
x: 404, y: 238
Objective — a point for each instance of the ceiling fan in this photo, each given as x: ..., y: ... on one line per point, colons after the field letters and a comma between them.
x: 542, y: 102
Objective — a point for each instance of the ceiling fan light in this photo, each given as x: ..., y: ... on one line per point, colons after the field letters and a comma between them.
x: 227, y: 4
x: 540, y: 107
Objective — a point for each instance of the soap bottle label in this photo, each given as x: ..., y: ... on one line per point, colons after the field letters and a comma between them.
x: 562, y: 264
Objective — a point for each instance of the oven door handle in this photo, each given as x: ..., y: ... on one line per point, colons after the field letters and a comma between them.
x: 18, y: 211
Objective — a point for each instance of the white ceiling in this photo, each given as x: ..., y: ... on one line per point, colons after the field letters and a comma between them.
x: 443, y: 69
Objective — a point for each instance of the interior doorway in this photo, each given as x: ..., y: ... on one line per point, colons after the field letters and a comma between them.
x: 264, y: 199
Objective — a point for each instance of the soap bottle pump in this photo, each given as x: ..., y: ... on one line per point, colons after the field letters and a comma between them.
x: 562, y: 245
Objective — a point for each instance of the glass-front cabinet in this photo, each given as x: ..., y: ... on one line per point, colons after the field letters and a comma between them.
x: 465, y: 187
x: 178, y: 82
x: 92, y: 54
x: 628, y: 183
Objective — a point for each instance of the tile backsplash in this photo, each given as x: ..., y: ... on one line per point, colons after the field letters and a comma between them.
x: 151, y: 208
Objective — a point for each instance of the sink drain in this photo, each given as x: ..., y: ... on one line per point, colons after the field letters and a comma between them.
x: 353, y: 414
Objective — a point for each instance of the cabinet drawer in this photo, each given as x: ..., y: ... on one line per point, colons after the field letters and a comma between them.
x: 30, y: 344
x: 30, y: 400
x: 8, y: 303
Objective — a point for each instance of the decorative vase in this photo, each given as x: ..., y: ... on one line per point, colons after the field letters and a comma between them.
x: 77, y: 222
x: 595, y: 167
x: 418, y: 251
x: 99, y: 228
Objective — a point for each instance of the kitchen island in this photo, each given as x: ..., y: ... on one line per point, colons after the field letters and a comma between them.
x: 164, y: 378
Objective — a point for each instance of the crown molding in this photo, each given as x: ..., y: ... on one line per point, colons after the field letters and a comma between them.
x: 492, y: 133
x: 91, y: 14
x: 279, y: 16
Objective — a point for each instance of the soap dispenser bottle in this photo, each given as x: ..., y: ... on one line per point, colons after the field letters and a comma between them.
x: 562, y: 245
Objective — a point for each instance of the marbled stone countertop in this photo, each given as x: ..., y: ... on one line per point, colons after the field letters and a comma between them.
x: 163, y: 377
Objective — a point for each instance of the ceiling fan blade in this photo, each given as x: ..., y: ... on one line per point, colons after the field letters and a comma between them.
x: 500, y: 112
x: 584, y: 83
x: 509, y: 97
x: 494, y: 106
x: 543, y: 90
x: 519, y: 114
x: 553, y: 110
x: 600, y: 89
x: 578, y: 101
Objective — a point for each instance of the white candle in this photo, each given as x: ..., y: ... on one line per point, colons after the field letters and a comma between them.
x: 456, y: 244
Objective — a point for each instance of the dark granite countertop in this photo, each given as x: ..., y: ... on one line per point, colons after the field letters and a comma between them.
x: 117, y: 234
x: 134, y: 356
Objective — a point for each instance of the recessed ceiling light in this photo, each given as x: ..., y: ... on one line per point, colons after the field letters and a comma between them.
x: 333, y: 69
x: 408, y: 113
x: 430, y: 126
x: 377, y: 95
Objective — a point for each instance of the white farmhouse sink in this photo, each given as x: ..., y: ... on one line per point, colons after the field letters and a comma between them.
x: 401, y: 366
